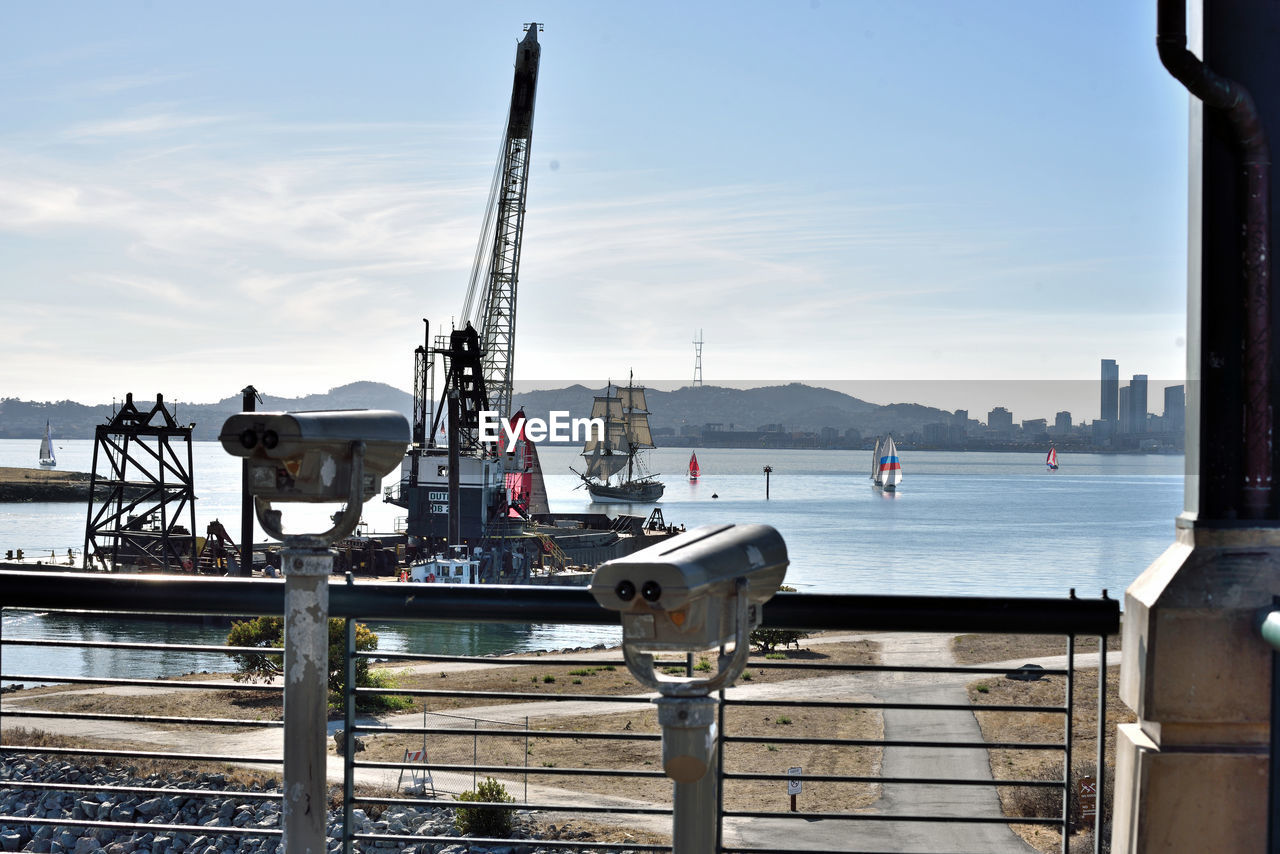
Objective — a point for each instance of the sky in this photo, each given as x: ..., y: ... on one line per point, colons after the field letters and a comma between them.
x: 195, y: 197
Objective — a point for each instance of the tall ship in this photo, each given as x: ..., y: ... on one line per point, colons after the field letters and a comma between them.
x: 616, y: 467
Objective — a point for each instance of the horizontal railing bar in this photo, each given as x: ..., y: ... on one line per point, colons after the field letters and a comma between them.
x: 738, y: 850
x: 918, y: 781
x: 160, y: 647
x: 532, y: 843
x: 23, y: 785
x: 382, y: 656
x: 537, y: 604
x: 523, y: 805
x: 934, y: 819
x: 135, y: 754
x: 872, y: 742
x: 515, y: 769
x: 501, y: 695
x: 199, y: 829
x: 146, y: 719
x: 507, y: 733
x: 864, y: 704
x: 142, y: 683
x: 503, y: 660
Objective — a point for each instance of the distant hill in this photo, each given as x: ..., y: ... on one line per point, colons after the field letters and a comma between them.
x: 25, y: 420
x: 796, y: 407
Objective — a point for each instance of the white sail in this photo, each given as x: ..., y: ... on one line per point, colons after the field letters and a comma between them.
x: 605, y: 465
x: 875, y: 461
x: 538, y: 498
x: 47, y: 457
x: 632, y: 397
x: 638, y: 433
x: 608, y: 407
x: 890, y: 466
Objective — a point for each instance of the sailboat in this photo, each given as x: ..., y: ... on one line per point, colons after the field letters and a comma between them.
x: 47, y: 458
x: 526, y: 489
x: 887, y: 468
x: 616, y: 470
x: 695, y: 471
x: 1052, y: 459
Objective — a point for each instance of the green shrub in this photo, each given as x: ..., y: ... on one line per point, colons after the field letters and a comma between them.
x: 268, y: 633
x: 491, y: 822
x: 766, y: 640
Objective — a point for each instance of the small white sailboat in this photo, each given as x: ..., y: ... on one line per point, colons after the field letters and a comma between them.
x: 1051, y: 461
x: 47, y: 458
x: 888, y: 468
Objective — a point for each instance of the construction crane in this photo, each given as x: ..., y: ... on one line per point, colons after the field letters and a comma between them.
x: 490, y: 305
x: 457, y: 494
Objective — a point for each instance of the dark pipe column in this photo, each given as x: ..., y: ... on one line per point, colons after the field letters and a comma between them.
x: 248, y: 404
x: 1226, y: 447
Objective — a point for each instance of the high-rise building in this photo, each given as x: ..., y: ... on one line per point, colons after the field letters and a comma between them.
x: 1175, y: 409
x: 1126, y: 410
x: 1062, y: 423
x: 1110, y: 390
x: 1138, y: 403
x: 1000, y: 421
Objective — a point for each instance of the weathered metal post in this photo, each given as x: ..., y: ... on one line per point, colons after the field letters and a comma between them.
x: 306, y: 672
x: 311, y: 457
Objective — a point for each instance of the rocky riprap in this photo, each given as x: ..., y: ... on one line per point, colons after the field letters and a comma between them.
x: 176, y: 801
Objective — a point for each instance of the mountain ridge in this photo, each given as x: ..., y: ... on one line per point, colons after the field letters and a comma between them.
x: 790, y: 407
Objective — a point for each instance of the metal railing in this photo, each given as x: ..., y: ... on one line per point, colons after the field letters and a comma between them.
x: 840, y: 690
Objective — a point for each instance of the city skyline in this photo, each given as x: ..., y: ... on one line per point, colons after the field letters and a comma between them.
x: 193, y: 204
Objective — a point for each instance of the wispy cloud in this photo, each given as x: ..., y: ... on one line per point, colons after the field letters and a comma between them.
x: 145, y: 125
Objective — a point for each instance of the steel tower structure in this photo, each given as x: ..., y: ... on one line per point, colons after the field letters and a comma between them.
x: 496, y: 308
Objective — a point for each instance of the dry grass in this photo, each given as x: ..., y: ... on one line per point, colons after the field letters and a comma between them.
x: 981, y: 649
x: 1045, y: 727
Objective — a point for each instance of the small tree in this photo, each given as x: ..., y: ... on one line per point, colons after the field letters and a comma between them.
x: 766, y: 639
x: 268, y: 633
x: 490, y: 822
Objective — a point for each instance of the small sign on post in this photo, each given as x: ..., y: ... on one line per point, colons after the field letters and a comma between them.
x: 1087, y: 790
x: 793, y: 785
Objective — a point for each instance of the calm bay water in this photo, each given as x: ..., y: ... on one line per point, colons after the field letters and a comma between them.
x: 962, y: 524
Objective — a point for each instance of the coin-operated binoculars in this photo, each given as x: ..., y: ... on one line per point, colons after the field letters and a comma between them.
x: 699, y: 590
x: 331, y: 456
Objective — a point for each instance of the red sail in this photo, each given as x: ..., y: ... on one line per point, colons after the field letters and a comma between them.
x: 519, y: 477
x: 694, y: 471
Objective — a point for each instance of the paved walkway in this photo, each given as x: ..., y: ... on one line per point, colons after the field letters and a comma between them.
x: 900, y: 649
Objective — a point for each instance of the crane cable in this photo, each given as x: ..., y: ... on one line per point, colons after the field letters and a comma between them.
x: 476, y: 303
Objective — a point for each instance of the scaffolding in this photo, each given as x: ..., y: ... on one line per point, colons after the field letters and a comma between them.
x: 140, y: 501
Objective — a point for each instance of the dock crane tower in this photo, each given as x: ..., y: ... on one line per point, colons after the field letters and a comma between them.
x: 478, y: 495
x: 491, y: 295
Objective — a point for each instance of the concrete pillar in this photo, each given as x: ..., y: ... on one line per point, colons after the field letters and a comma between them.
x: 1191, y: 774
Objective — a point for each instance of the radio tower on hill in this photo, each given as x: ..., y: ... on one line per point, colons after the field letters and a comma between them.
x: 697, y: 359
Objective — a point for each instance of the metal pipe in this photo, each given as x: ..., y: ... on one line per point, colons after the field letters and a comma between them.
x: 248, y: 404
x: 1237, y: 105
x: 348, y: 731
